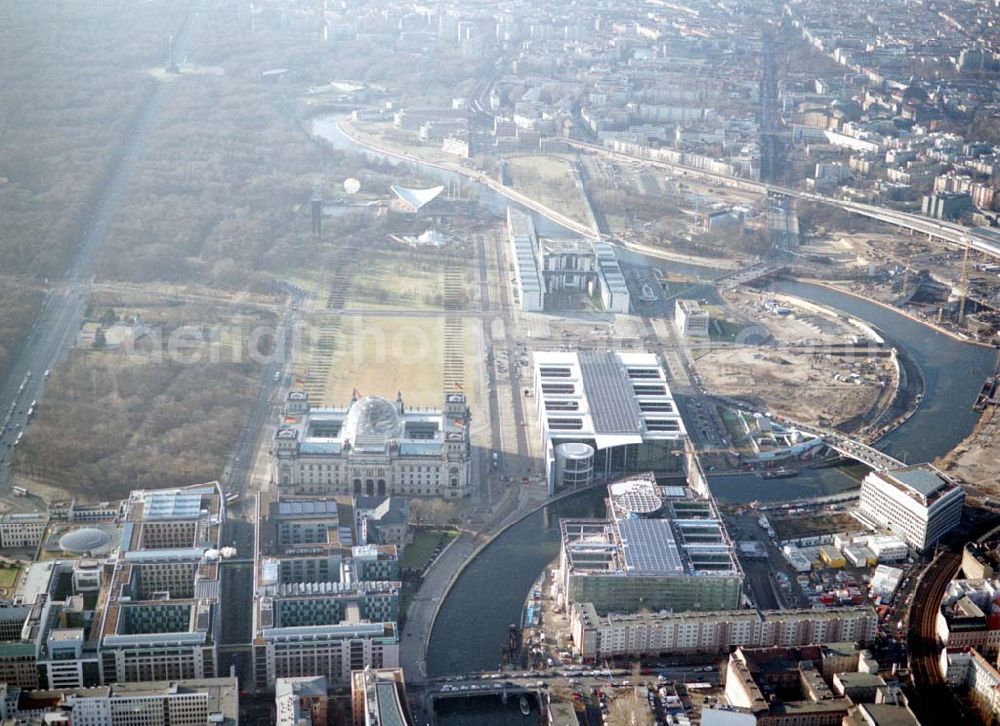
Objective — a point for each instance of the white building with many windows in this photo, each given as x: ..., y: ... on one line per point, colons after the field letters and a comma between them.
x: 916, y: 503
x: 614, y: 410
x: 373, y: 447
x: 19, y: 530
x: 596, y: 637
x: 155, y: 703
x: 691, y: 319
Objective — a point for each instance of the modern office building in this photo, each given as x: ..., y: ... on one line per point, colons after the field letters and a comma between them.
x: 378, y: 698
x: 373, y: 447
x: 691, y: 319
x: 663, y: 548
x: 130, y: 592
x: 323, y: 606
x: 568, y: 264
x: 616, y: 404
x: 524, y: 256
x: 177, y: 703
x: 614, y: 291
x: 596, y: 637
x: 916, y: 503
x: 160, y: 617
x: 552, y: 265
x: 17, y: 649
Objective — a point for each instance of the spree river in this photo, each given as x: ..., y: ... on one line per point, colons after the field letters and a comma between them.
x: 471, y: 627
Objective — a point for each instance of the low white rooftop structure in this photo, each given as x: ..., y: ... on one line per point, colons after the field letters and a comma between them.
x: 524, y: 256
x: 614, y: 291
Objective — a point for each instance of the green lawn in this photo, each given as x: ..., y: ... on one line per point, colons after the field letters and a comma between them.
x: 418, y: 553
x: 8, y: 576
x: 733, y: 426
x: 724, y: 330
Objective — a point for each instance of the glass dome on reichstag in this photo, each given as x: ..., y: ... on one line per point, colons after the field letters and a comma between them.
x: 371, y: 417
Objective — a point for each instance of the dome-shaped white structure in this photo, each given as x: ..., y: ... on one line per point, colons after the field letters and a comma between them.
x: 85, y: 541
x: 372, y: 417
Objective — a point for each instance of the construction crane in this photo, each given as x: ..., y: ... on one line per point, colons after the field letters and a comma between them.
x: 964, y: 283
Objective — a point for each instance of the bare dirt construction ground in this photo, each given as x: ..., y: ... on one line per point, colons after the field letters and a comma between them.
x: 800, y: 386
x: 975, y: 459
x: 807, y: 526
x: 793, y: 373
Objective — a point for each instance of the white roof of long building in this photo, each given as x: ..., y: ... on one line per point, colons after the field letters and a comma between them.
x: 613, y: 398
x: 610, y: 270
x: 524, y: 244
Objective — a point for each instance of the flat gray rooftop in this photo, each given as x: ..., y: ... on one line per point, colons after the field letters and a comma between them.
x: 649, y: 547
x: 609, y: 392
x: 923, y: 481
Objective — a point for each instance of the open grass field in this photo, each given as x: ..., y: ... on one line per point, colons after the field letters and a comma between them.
x: 8, y: 576
x: 381, y: 355
x: 548, y: 179
x: 418, y: 553
x: 387, y: 282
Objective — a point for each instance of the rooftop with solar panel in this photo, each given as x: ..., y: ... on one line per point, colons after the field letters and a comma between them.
x: 653, y: 531
x: 618, y: 404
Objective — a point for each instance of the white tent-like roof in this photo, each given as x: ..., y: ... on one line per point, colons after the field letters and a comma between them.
x: 416, y: 198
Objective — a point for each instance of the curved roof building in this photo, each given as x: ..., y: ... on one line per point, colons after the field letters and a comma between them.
x: 415, y: 199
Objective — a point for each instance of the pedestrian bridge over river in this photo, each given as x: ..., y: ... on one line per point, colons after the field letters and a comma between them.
x: 843, y: 444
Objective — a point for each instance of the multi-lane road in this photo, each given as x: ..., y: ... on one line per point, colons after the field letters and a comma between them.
x: 55, y: 329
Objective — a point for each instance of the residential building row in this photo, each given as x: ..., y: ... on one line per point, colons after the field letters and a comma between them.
x: 596, y: 637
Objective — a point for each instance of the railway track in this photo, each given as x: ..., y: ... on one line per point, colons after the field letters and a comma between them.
x: 932, y: 701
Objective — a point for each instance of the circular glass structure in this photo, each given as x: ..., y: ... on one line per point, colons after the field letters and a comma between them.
x: 84, y: 541
x: 372, y: 416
